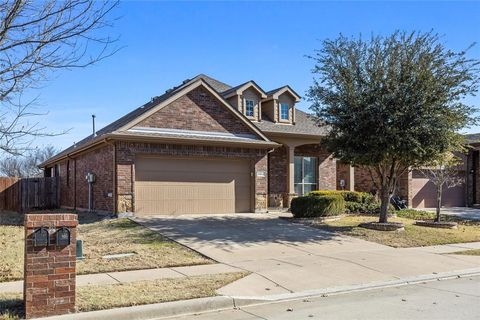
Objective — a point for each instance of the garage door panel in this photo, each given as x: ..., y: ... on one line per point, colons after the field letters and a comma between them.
x: 177, y: 186
x: 424, y: 193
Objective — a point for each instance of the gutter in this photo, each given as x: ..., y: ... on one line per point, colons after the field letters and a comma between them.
x: 171, y: 140
x: 196, y: 141
x: 87, y: 145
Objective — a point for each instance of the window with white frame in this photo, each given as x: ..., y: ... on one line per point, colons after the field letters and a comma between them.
x: 305, y: 175
x: 249, y: 108
x: 284, y: 111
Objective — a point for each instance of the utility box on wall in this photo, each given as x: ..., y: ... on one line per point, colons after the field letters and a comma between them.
x: 50, y: 264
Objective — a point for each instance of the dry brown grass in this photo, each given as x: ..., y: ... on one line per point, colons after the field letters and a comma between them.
x: 102, y: 297
x: 103, y: 238
x: 125, y: 236
x: 11, y: 253
x: 473, y: 252
x: 413, y: 236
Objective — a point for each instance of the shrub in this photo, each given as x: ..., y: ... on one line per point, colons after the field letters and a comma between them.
x: 355, y: 202
x: 415, y: 214
x: 317, y: 206
x: 352, y: 196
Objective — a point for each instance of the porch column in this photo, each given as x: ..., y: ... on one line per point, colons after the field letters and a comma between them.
x: 351, y: 178
x: 290, y: 175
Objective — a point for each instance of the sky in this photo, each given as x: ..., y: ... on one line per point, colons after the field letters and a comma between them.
x: 164, y: 43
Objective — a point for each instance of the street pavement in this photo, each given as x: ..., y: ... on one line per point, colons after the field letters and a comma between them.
x: 456, y: 299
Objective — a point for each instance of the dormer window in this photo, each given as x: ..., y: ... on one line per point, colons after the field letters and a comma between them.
x: 250, y: 108
x: 284, y: 111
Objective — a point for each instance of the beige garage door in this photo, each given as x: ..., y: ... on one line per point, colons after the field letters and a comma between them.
x: 424, y: 193
x: 183, y: 186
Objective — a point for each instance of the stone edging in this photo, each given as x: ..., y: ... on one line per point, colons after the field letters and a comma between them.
x: 316, y: 219
x: 382, y: 226
x: 441, y: 224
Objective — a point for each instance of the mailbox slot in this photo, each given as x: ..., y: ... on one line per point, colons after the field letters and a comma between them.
x: 41, y: 237
x: 63, y: 237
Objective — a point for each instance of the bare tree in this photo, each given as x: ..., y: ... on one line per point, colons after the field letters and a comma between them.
x: 24, y: 166
x: 443, y: 173
x: 38, y: 38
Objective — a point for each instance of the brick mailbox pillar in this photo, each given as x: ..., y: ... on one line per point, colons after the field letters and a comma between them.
x: 50, y: 259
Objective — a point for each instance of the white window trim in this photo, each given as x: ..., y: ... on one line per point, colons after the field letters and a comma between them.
x: 253, y: 110
x: 303, y: 183
x: 280, y: 111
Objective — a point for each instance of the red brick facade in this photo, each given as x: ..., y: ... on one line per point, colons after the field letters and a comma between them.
x: 365, y: 183
x: 113, y: 163
x: 278, y: 171
x: 74, y: 187
x: 198, y: 110
x: 49, y: 279
x: 126, y: 153
x: 327, y: 165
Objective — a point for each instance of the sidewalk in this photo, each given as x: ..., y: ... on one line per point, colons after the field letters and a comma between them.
x: 135, y: 275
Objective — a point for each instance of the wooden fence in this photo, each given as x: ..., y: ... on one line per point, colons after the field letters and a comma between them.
x: 28, y: 193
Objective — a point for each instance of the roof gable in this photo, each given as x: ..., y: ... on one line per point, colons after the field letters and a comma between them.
x: 187, y: 88
x: 242, y: 87
x: 274, y: 94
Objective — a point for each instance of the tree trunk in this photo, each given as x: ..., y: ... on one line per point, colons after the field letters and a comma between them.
x: 439, y: 202
x: 385, y: 201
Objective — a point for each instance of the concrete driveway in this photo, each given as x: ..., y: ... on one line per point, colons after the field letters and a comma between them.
x: 286, y: 257
x: 461, y: 212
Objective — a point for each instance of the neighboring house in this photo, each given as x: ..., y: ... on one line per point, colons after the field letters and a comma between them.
x: 201, y: 147
x: 417, y: 189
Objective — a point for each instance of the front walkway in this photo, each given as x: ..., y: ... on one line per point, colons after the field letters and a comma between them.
x: 136, y: 275
x: 285, y: 257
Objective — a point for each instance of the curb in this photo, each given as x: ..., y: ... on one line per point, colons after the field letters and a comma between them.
x: 153, y: 311
x: 185, y: 307
x: 244, y: 300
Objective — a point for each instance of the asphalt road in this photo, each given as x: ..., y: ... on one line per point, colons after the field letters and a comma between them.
x: 447, y: 299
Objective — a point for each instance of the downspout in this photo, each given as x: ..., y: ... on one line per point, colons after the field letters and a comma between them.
x: 74, y: 180
x: 75, y: 184
x: 114, y: 178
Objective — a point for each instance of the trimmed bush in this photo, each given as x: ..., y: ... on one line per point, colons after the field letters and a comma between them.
x: 352, y: 196
x: 317, y: 206
x: 355, y: 202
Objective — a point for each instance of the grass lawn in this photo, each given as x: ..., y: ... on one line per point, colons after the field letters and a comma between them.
x: 101, y: 297
x: 413, y: 236
x: 473, y: 252
x: 103, y: 238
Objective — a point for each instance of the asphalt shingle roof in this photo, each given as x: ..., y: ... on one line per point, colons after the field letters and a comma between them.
x: 472, y: 137
x: 305, y: 124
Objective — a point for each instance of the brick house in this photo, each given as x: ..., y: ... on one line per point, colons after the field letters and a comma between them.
x: 415, y: 188
x: 201, y: 147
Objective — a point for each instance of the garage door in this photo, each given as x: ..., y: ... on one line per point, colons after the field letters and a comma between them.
x: 184, y: 186
x: 424, y: 193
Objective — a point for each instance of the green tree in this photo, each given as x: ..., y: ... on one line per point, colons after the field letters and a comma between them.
x: 392, y: 102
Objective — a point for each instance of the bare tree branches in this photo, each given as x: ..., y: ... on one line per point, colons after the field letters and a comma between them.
x: 443, y: 173
x: 36, y: 39
x: 25, y: 166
